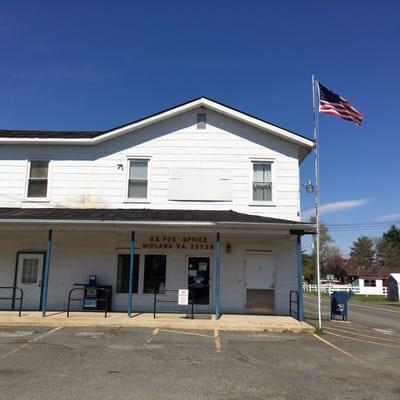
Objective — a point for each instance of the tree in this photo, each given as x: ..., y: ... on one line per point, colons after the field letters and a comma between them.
x: 328, y: 255
x: 325, y: 248
x: 388, y: 249
x: 362, y: 254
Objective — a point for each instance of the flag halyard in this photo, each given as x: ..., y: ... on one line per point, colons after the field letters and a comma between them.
x: 333, y: 104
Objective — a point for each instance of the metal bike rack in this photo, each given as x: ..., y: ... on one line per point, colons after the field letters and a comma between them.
x: 107, y: 291
x: 169, y: 301
x: 13, y: 298
x: 294, y: 301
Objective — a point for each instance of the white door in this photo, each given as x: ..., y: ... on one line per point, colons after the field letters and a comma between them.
x: 260, y: 282
x: 29, y: 279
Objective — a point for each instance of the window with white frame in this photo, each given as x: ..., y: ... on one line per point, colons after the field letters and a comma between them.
x: 262, y: 181
x: 138, y: 179
x: 38, y: 178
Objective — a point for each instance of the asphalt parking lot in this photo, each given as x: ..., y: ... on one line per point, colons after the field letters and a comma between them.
x: 126, y: 363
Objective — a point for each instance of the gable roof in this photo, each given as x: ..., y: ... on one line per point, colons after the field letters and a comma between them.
x: 95, y: 137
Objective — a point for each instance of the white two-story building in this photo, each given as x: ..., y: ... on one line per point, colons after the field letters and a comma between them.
x: 199, y: 196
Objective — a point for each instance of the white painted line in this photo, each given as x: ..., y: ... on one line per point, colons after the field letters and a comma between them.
x: 335, y: 347
x: 361, y: 340
x: 185, y: 333
x: 360, y: 334
x: 35, y: 339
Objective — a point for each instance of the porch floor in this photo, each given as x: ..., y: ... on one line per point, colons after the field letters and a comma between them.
x: 227, y: 322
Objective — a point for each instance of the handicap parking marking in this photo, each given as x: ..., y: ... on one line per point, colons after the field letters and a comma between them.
x: 33, y: 340
x: 335, y: 347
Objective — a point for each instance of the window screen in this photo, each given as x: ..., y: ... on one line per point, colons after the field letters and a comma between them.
x: 137, y: 185
x: 30, y: 268
x: 38, y: 179
x: 262, y: 181
x: 154, y: 273
x: 123, y: 273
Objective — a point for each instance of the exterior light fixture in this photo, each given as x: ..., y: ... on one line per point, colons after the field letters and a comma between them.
x: 228, y: 248
x: 309, y: 187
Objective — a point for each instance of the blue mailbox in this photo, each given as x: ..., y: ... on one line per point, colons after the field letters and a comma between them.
x: 339, y: 302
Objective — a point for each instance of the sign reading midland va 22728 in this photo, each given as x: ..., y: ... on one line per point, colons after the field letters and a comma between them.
x: 178, y: 242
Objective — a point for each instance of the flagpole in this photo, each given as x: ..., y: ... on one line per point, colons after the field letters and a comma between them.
x: 316, y: 166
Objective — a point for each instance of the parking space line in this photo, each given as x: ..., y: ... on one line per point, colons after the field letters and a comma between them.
x: 185, y: 333
x: 361, y: 334
x: 35, y: 339
x: 217, y: 341
x: 361, y: 340
x: 335, y: 347
x: 154, y: 333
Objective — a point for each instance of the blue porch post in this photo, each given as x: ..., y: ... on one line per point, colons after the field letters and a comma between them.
x: 217, y: 276
x: 131, y: 264
x: 45, y: 282
x: 300, y: 278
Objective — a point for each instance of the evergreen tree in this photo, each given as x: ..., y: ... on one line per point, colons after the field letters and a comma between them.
x: 388, y: 249
x: 362, y: 254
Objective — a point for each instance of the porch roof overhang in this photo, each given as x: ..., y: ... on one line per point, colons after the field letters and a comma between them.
x: 147, y: 220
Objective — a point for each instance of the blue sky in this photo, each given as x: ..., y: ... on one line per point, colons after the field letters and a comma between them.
x: 97, y: 64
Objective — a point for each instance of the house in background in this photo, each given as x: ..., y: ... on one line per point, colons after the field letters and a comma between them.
x: 199, y: 196
x: 370, y: 285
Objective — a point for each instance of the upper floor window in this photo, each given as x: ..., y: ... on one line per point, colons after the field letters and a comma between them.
x: 262, y: 181
x: 138, y: 179
x: 38, y: 179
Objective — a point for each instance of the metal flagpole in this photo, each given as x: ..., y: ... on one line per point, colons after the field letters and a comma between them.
x: 316, y: 164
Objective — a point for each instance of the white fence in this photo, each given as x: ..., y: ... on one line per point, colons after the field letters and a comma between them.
x: 329, y: 288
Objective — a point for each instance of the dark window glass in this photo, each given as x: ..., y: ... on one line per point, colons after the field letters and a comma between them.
x: 38, y: 176
x: 123, y: 273
x: 201, y: 120
x: 154, y: 272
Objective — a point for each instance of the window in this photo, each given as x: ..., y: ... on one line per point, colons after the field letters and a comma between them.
x: 30, y: 268
x: 38, y: 179
x: 369, y: 282
x: 138, y: 181
x: 262, y: 181
x: 123, y: 273
x: 201, y: 120
x: 154, y: 273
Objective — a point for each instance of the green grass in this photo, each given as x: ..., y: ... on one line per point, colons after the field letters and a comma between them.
x: 372, y: 298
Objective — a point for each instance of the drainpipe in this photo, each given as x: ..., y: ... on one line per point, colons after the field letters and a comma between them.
x: 300, y: 278
x: 131, y: 264
x: 46, y: 272
x: 217, y: 276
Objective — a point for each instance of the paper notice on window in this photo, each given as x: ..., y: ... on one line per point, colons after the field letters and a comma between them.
x: 192, y: 272
x: 183, y: 297
x: 202, y: 266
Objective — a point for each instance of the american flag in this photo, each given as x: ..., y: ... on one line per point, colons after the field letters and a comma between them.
x: 333, y: 104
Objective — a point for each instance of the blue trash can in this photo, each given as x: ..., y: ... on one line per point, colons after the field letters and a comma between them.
x: 339, y: 302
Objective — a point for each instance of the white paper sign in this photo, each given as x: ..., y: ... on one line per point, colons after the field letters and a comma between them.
x: 183, y: 297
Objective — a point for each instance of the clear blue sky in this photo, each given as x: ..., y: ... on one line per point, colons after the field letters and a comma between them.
x: 97, y: 64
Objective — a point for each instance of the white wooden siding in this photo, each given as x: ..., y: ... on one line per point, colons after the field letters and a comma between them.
x: 87, y: 176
